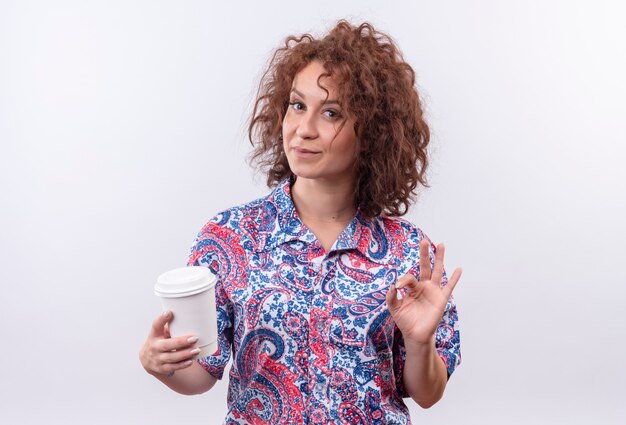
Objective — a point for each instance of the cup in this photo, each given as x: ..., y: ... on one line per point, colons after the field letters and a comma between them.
x: 189, y: 292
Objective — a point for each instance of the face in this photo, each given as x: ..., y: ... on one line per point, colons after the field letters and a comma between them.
x: 318, y: 134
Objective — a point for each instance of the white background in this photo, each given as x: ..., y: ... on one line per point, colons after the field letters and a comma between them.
x: 123, y: 130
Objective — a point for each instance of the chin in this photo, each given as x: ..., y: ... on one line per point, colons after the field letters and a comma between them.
x: 305, y: 174
x: 303, y: 171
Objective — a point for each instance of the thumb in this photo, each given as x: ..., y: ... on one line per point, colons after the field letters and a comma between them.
x: 392, y: 298
x: 158, y: 325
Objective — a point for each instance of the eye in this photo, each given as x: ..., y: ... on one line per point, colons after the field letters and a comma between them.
x: 297, y: 106
x: 331, y: 113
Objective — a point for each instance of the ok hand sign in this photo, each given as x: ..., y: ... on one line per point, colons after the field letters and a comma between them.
x: 418, y: 311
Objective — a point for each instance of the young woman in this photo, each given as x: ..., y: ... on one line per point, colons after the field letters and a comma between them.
x: 333, y: 308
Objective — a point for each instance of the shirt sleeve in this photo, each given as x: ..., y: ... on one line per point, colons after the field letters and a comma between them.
x: 447, y: 337
x: 399, y: 358
x: 205, y: 252
x: 447, y: 344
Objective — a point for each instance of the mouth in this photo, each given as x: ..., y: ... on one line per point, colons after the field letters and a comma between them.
x: 305, y: 153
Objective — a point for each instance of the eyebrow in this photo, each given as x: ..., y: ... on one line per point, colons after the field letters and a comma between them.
x: 326, y: 102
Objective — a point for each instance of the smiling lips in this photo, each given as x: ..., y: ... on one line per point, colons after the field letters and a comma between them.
x: 304, y: 153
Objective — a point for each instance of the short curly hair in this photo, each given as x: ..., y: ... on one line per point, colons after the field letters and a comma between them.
x: 377, y: 87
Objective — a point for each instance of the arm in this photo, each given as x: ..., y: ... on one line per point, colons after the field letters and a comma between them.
x: 189, y: 381
x: 171, y: 360
x: 425, y: 375
x: 417, y: 311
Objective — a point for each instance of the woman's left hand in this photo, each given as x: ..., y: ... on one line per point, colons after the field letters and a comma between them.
x: 420, y: 310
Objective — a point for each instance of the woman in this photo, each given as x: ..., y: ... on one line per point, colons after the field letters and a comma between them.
x: 333, y: 307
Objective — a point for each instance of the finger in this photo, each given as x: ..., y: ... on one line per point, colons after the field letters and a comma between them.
x: 424, y: 260
x: 170, y: 368
x: 438, y: 270
x: 158, y: 325
x: 406, y: 281
x: 392, y: 298
x: 178, y: 356
x: 176, y: 344
x: 456, y: 275
x: 412, y: 287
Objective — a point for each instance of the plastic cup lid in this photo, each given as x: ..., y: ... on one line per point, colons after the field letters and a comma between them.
x: 184, y: 281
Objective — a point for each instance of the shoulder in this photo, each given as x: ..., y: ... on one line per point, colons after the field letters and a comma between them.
x: 246, y: 226
x: 236, y: 224
x: 399, y: 230
x: 402, y: 240
x: 226, y: 241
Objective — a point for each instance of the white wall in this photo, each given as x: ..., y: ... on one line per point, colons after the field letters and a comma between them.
x: 122, y: 130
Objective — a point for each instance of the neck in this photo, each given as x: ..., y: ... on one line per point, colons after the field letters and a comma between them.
x: 321, y: 201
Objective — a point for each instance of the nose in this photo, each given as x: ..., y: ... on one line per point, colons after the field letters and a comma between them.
x: 307, y: 127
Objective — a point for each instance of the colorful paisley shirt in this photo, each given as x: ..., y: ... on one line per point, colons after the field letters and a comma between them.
x: 313, y: 340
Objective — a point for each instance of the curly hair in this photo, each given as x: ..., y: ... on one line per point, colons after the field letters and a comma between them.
x: 377, y: 87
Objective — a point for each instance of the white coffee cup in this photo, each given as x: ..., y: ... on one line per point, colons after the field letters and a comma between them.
x: 189, y: 293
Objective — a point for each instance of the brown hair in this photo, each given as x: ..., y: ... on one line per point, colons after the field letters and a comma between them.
x: 377, y: 87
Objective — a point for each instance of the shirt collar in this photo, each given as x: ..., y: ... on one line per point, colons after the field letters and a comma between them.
x: 280, y: 223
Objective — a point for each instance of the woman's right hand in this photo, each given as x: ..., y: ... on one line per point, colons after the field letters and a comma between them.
x: 163, y: 355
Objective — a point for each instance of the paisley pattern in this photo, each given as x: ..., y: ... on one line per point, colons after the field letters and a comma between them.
x: 312, y: 339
